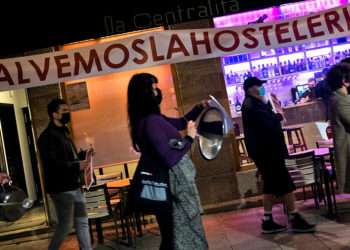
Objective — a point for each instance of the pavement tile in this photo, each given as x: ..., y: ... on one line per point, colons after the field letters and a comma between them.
x: 233, y: 230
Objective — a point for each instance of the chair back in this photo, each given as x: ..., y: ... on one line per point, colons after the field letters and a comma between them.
x: 97, y: 202
x: 324, y: 143
x: 104, y: 178
x: 301, y: 168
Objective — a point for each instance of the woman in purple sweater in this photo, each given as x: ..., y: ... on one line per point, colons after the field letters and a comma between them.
x: 161, y: 146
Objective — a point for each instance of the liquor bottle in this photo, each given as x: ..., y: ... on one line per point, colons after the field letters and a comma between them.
x: 318, y: 62
x: 227, y: 77
x: 271, y: 71
x: 262, y: 74
x: 266, y: 71
x: 343, y: 54
x: 327, y: 62
x: 259, y: 71
x: 303, y: 64
x: 295, y: 66
x: 238, y: 105
x: 240, y: 78
x: 245, y: 76
x: 276, y: 70
x: 298, y: 65
x: 289, y: 67
x: 337, y: 57
x: 231, y: 78
x: 323, y: 62
x: 281, y: 68
x: 285, y: 68
x: 311, y: 65
x: 235, y: 78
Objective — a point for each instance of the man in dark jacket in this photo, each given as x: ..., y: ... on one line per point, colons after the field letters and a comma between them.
x: 323, y: 91
x: 266, y: 146
x: 62, y: 176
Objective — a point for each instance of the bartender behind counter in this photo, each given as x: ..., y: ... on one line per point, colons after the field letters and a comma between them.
x: 310, y: 93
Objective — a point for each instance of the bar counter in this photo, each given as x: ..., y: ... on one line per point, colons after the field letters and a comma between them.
x: 297, y: 114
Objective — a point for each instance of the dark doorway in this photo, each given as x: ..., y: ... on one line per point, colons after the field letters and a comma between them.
x: 11, y: 145
x: 33, y: 159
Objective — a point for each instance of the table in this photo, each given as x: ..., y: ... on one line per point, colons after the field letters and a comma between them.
x: 119, y: 184
x: 123, y: 185
x: 319, y: 152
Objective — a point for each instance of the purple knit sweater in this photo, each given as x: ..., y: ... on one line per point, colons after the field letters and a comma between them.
x: 155, y: 132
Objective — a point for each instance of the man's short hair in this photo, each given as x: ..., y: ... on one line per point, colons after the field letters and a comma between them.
x: 54, y: 105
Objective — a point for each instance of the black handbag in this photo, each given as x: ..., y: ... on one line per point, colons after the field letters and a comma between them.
x: 150, y: 190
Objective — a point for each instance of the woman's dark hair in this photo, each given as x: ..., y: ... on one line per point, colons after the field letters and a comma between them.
x: 337, y: 74
x: 141, y: 102
x: 54, y: 105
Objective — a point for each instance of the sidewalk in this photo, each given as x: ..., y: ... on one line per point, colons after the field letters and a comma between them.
x: 240, y: 230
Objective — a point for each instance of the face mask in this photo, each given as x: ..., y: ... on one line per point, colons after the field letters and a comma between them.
x: 261, y: 91
x: 65, y: 118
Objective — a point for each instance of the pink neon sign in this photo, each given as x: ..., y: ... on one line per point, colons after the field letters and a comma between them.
x: 307, y: 7
x: 275, y: 13
x: 246, y: 17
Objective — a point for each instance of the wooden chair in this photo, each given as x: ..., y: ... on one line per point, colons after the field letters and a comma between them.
x: 297, y: 130
x: 243, y: 154
x: 98, y: 207
x: 103, y: 178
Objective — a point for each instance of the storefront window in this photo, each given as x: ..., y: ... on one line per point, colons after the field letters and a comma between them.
x: 290, y: 72
x: 99, y: 106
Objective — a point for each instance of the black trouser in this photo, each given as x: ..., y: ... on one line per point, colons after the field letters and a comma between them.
x: 165, y: 222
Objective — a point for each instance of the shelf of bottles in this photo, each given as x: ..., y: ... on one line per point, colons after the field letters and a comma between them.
x: 282, y: 68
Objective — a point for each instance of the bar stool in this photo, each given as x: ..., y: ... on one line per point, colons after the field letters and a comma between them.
x: 243, y: 154
x: 298, y: 133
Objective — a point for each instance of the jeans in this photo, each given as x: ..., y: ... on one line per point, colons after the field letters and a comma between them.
x: 70, y: 207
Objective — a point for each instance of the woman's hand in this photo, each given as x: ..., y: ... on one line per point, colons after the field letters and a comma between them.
x: 191, y: 129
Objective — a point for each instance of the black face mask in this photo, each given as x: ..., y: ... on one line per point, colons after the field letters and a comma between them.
x: 159, y: 96
x: 65, y: 118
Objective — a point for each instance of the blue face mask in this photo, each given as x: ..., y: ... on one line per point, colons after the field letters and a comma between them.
x: 262, y: 91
